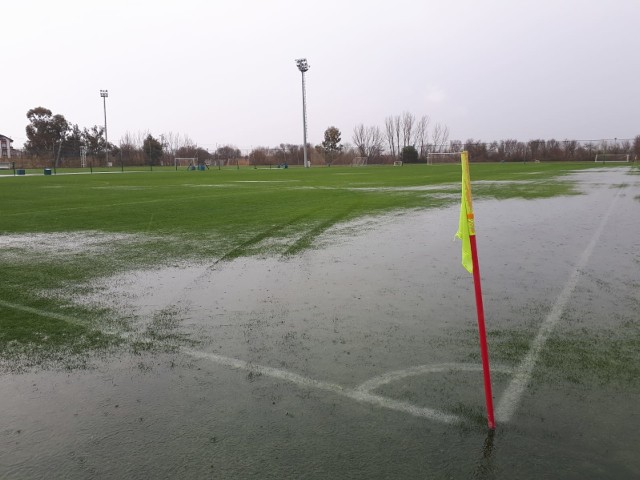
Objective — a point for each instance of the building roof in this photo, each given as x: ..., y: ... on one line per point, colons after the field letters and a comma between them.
x: 4, y: 136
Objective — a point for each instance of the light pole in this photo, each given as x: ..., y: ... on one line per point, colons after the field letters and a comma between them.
x: 303, y: 66
x: 104, y: 94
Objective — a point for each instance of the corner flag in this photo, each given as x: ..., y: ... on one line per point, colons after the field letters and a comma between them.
x: 467, y: 233
x: 466, y: 225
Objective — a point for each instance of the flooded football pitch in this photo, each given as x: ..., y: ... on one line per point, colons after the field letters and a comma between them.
x: 359, y: 358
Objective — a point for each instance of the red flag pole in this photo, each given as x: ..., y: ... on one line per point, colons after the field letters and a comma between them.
x: 484, y: 351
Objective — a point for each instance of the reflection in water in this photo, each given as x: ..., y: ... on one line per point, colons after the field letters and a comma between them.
x: 485, y: 468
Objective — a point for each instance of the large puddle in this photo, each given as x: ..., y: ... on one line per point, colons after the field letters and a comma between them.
x: 356, y: 359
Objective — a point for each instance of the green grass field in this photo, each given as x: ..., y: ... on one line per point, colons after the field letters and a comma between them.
x: 167, y: 215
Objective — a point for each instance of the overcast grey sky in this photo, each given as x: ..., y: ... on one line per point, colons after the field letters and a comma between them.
x: 223, y: 71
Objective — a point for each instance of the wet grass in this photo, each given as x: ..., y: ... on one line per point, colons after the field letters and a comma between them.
x: 588, y: 357
x: 595, y: 357
x: 46, y: 332
x: 530, y: 190
x: 29, y: 339
x: 236, y: 200
x: 215, y: 214
x: 601, y: 357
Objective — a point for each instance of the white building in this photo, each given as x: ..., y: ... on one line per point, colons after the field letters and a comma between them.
x: 5, y: 146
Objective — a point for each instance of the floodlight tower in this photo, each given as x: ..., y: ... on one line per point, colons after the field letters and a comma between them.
x: 104, y: 94
x: 303, y: 66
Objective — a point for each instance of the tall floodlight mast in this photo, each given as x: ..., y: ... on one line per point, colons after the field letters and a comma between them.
x: 303, y: 66
x: 104, y: 94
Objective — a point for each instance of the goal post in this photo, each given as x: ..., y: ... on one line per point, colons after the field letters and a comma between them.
x: 612, y: 157
x: 359, y: 162
x: 443, y: 158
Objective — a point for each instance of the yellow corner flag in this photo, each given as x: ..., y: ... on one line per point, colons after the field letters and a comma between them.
x: 467, y: 233
x: 466, y: 226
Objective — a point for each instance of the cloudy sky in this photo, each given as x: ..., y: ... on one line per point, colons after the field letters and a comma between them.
x: 223, y: 71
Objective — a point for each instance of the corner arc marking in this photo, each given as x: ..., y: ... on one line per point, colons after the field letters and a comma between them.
x: 362, y: 393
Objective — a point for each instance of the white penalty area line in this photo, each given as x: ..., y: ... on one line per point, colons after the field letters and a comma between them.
x: 361, y: 393
x: 522, y: 375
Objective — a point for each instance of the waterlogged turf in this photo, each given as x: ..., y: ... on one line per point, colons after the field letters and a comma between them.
x: 329, y: 334
x: 67, y: 229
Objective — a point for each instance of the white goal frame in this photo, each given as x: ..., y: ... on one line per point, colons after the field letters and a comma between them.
x: 433, y: 157
x: 359, y: 162
x: 397, y: 163
x: 179, y: 161
x: 612, y: 157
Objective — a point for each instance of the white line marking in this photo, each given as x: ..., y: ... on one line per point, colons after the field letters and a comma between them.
x: 358, y: 394
x: 522, y: 376
x: 362, y: 393
x: 58, y: 316
x: 394, y: 376
x: 41, y: 313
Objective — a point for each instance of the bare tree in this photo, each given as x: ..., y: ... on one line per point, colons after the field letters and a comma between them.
x: 376, y: 143
x: 536, y: 147
x: 521, y: 151
x: 171, y: 143
x: 408, y: 120
x: 368, y: 140
x: 397, y: 128
x: 390, y: 134
x: 570, y: 147
x: 507, y: 150
x: 227, y: 152
x: 554, y: 150
x: 445, y: 135
x: 439, y: 137
x: 456, y: 146
x: 360, y: 139
x: 259, y: 156
x: 436, y: 138
x: 625, y: 146
x: 131, y: 147
x: 422, y: 135
x: 293, y: 152
x: 477, y: 149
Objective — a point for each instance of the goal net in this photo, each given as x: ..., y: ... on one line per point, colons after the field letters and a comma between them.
x: 441, y: 158
x: 612, y: 157
x: 359, y: 162
x: 185, y: 162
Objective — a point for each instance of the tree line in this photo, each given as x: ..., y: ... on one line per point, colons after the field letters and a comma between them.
x: 52, y: 138
x: 546, y: 150
x: 410, y: 139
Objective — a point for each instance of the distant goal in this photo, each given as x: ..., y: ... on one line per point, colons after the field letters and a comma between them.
x: 613, y: 157
x: 442, y: 158
x: 185, y: 162
x: 359, y: 162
